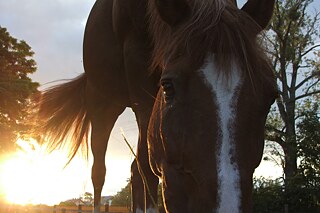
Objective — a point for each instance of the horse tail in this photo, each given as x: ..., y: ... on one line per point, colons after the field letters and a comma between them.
x: 63, y: 116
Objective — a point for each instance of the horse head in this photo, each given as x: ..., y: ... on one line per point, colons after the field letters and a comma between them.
x: 206, y: 132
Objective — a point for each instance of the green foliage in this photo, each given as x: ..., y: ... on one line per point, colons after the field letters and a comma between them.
x: 309, y: 137
x: 15, y: 88
x: 300, y: 197
x: 123, y: 198
x: 293, y: 44
x: 302, y: 193
x: 308, y: 178
x: 267, y: 196
x: 88, y: 198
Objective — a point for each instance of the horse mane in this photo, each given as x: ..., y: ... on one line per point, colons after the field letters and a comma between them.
x: 214, y: 26
x: 165, y: 38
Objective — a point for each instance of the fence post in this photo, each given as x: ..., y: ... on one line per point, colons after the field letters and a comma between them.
x: 54, y: 209
x: 79, y: 208
x: 63, y: 210
x: 106, y: 208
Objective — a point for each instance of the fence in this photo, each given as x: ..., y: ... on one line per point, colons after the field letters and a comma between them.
x: 61, y: 209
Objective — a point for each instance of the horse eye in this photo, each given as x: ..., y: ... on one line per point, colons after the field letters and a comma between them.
x: 168, y: 90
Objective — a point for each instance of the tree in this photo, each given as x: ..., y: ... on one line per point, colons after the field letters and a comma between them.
x: 302, y: 192
x: 293, y: 43
x: 88, y: 198
x: 123, y: 197
x: 15, y: 88
x: 267, y: 196
x: 308, y: 178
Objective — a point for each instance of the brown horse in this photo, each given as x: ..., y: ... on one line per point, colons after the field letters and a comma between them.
x: 206, y: 132
x: 207, y: 125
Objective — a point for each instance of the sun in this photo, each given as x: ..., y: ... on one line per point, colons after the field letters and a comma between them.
x: 32, y: 176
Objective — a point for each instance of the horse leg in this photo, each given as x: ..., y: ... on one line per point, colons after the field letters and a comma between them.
x: 144, y: 182
x: 102, y: 122
x: 102, y: 115
x: 137, y: 189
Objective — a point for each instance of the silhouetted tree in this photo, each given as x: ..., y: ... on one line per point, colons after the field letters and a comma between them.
x: 293, y: 43
x: 123, y: 197
x: 15, y: 88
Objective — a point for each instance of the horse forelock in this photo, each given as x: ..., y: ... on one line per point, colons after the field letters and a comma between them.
x: 204, y: 14
x: 215, y: 26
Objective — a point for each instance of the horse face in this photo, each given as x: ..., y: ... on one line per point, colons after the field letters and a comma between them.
x: 206, y: 132
x: 206, y: 135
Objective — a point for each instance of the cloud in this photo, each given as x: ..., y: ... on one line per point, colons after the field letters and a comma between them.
x: 54, y: 29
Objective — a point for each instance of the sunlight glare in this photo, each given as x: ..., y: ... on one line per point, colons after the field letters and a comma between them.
x: 32, y: 176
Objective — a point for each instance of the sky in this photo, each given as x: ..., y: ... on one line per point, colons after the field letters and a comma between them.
x: 54, y: 29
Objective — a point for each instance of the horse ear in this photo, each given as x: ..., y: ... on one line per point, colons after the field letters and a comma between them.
x: 173, y: 12
x: 260, y: 10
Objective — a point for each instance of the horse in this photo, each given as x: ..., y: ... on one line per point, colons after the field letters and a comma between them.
x: 199, y: 85
x: 206, y: 131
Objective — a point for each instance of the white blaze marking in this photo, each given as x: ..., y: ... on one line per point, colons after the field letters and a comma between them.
x: 225, y: 95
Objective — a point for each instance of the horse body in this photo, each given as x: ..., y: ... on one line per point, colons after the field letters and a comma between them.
x: 116, y: 55
x: 116, y: 59
x: 210, y: 94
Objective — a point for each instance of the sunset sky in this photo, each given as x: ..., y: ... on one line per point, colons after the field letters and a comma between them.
x: 54, y: 30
